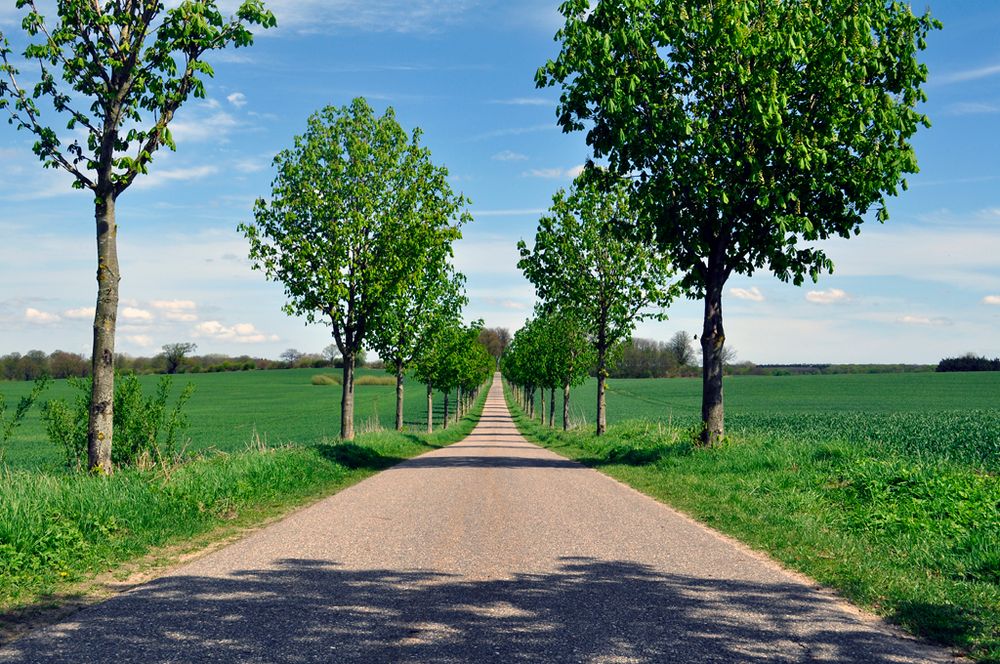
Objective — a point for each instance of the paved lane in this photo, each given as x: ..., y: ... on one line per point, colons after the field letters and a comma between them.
x: 491, y: 550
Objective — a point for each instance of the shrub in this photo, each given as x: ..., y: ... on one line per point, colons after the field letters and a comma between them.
x: 145, y: 428
x: 375, y: 380
x: 325, y: 379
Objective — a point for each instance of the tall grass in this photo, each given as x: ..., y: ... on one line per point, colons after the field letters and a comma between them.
x: 902, y: 522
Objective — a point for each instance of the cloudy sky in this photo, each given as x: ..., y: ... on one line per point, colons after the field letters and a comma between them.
x: 925, y: 285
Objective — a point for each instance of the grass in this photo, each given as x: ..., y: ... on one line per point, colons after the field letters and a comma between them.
x: 228, y: 409
x: 883, y: 487
x: 59, y: 528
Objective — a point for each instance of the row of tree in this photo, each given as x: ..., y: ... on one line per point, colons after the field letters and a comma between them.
x: 740, y: 133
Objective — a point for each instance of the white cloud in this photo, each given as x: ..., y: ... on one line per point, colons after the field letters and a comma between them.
x: 237, y: 99
x: 752, y: 294
x: 525, y: 101
x: 250, y: 165
x: 554, y: 173
x: 176, y: 310
x: 141, y: 340
x: 403, y: 16
x: 831, y: 296
x: 924, y: 320
x: 241, y: 333
x: 515, y: 131
x: 82, y: 313
x: 967, y: 75
x: 40, y: 317
x: 214, y: 127
x: 509, y: 155
x: 156, y: 177
x: 136, y: 315
x: 992, y: 299
x: 971, y: 108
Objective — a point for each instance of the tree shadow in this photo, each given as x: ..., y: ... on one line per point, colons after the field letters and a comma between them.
x: 355, y: 456
x: 586, y: 610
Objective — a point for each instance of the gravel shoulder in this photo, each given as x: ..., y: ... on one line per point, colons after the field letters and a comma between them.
x: 493, y: 550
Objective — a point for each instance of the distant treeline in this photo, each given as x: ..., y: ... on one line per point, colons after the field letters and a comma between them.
x: 969, y: 362
x: 61, y: 364
x: 646, y: 358
x: 751, y: 369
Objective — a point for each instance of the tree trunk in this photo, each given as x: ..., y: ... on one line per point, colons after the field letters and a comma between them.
x: 713, y: 339
x: 459, y: 405
x: 531, y: 404
x: 100, y: 424
x: 347, y: 400
x: 399, y: 395
x: 430, y: 408
x: 602, y: 376
x: 552, y: 408
x: 566, y: 407
x: 446, y: 395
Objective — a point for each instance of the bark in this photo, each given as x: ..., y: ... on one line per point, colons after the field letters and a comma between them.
x: 713, y: 339
x: 566, y: 407
x: 399, y: 395
x: 531, y: 403
x: 552, y: 408
x: 459, y: 405
x: 446, y: 395
x: 347, y: 400
x: 100, y: 425
x: 430, y: 408
x: 602, y: 376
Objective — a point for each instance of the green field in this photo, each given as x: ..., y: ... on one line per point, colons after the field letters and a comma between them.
x: 882, y: 486
x: 228, y: 408
x: 945, y: 415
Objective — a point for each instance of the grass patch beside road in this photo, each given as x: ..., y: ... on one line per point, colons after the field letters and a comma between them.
x: 58, y: 529
x: 914, y: 537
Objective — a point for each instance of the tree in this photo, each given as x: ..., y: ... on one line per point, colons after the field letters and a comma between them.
x: 413, y: 318
x: 496, y: 340
x: 119, y: 71
x: 331, y: 354
x: 175, y: 354
x: 355, y: 205
x: 747, y: 127
x: 604, y: 280
x: 291, y: 356
x: 681, y: 346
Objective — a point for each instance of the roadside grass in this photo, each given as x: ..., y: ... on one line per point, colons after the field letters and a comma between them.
x: 60, y: 529
x: 907, y: 529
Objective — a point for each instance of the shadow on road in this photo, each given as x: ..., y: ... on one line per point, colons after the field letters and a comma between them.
x: 586, y: 611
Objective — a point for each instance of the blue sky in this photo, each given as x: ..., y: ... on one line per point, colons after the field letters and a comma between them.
x: 923, y: 286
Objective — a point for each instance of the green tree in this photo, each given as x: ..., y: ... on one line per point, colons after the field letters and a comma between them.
x: 569, y: 355
x: 118, y: 71
x: 174, y: 354
x: 581, y: 266
x: 356, y: 204
x: 413, y: 317
x: 747, y: 127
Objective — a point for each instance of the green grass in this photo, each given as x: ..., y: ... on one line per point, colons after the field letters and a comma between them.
x: 228, y: 410
x: 57, y: 529
x: 883, y: 487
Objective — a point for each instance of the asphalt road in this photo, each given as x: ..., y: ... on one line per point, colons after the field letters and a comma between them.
x: 491, y: 550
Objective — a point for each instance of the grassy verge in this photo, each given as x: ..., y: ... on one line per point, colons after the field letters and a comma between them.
x: 59, y: 529
x: 917, y: 540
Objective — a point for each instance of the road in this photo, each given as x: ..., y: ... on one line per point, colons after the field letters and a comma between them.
x: 491, y: 550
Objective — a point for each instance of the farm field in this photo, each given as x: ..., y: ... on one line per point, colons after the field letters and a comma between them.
x: 228, y: 409
x: 884, y: 487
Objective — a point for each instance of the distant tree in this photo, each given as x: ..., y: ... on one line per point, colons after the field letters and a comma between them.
x: 119, y: 71
x: 968, y: 362
x: 496, y: 340
x: 291, y: 356
x: 746, y: 128
x: 681, y: 346
x: 331, y: 354
x: 67, y: 365
x: 606, y: 281
x: 355, y: 204
x: 175, y: 354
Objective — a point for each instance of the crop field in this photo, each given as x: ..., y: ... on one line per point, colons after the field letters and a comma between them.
x: 228, y: 410
x: 947, y: 415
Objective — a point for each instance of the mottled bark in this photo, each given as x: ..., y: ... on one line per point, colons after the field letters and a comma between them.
x: 552, y: 408
x: 430, y: 408
x: 446, y: 395
x: 399, y: 395
x: 602, y: 376
x: 713, y: 339
x: 100, y: 426
x: 566, y: 407
x: 347, y: 399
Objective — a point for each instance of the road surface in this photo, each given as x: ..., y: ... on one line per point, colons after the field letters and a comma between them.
x: 491, y: 550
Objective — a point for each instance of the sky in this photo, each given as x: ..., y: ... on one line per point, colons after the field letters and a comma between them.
x: 925, y: 285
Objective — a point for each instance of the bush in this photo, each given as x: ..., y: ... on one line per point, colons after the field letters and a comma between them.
x: 325, y: 379
x: 969, y: 362
x: 145, y: 428
x: 375, y: 380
